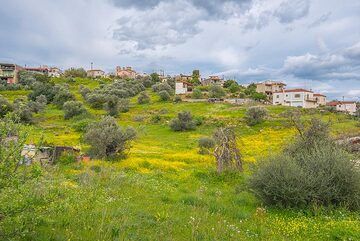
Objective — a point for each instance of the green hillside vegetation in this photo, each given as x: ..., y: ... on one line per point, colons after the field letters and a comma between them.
x: 164, y: 187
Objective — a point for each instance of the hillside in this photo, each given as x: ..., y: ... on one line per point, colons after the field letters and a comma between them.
x: 164, y: 189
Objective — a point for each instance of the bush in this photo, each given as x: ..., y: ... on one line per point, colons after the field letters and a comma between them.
x: 310, y: 172
x: 73, y: 108
x: 124, y: 105
x: 22, y: 112
x: 96, y: 101
x: 75, y: 72
x: 5, y: 106
x: 45, y: 89
x: 234, y: 87
x: 183, y: 122
x: 206, y: 144
x: 197, y: 94
x: 162, y: 86
x: 112, y: 106
x: 10, y: 152
x: 216, y: 91
x: 82, y: 125
x: 143, y: 98
x: 164, y: 95
x: 35, y: 106
x: 84, y: 91
x: 255, y: 115
x: 177, y: 99
x: 62, y: 95
x: 108, y: 139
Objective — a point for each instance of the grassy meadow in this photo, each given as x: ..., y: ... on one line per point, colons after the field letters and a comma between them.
x: 164, y: 189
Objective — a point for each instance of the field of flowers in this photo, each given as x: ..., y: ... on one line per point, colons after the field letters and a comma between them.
x: 164, y: 189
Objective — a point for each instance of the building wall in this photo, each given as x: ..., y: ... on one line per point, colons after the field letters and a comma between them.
x: 347, y: 107
x: 295, y: 99
x: 180, y: 88
x: 321, y: 100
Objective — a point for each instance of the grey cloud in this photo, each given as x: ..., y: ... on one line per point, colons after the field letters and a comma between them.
x: 167, y: 23
x: 290, y: 11
x: 161, y: 23
x: 213, y: 7
x: 342, y: 65
x: 323, y: 18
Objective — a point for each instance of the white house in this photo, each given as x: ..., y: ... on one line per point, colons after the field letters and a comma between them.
x: 183, y: 87
x: 95, y: 73
x: 295, y: 97
x: 344, y: 106
x: 54, y: 72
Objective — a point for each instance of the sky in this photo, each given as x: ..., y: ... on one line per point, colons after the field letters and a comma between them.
x: 313, y: 44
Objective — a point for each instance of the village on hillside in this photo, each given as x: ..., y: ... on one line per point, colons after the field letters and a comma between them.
x: 270, y: 92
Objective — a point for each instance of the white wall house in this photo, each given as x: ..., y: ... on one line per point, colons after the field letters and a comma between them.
x: 296, y: 98
x: 95, y: 73
x: 183, y: 87
x: 344, y: 106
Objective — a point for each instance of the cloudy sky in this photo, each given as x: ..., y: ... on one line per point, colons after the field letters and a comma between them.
x: 306, y: 43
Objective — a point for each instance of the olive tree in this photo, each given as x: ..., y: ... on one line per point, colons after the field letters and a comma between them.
x: 73, y: 108
x: 183, y: 122
x: 108, y: 139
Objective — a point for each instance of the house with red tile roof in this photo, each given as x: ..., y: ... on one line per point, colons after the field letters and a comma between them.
x: 183, y: 87
x: 296, y: 98
x: 344, y: 106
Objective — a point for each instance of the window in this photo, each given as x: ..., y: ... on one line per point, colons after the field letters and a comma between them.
x: 277, y: 96
x: 297, y: 95
x: 287, y: 95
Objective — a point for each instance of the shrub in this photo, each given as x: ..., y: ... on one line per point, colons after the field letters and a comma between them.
x: 234, y: 87
x: 162, y: 86
x: 62, y: 95
x: 143, y: 98
x: 154, y: 77
x: 75, y: 72
x: 216, y: 91
x: 197, y: 94
x: 82, y: 125
x: 258, y: 96
x: 112, y: 106
x: 35, y: 106
x: 183, y: 122
x: 73, y: 108
x: 5, y: 106
x: 41, y: 99
x: 45, y: 89
x: 84, y: 91
x: 10, y: 151
x: 164, y: 95
x: 96, y: 100
x: 177, y: 99
x: 124, y: 105
x: 108, y: 139
x: 23, y: 113
x: 310, y: 172
x: 255, y: 115
x: 206, y: 144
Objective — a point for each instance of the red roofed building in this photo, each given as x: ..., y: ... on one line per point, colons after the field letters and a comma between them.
x: 344, y: 106
x: 297, y: 98
x: 321, y: 99
x: 183, y: 87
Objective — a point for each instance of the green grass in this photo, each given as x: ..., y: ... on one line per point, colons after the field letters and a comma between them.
x: 164, y: 190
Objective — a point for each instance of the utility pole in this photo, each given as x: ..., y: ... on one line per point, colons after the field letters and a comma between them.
x: 92, y: 65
